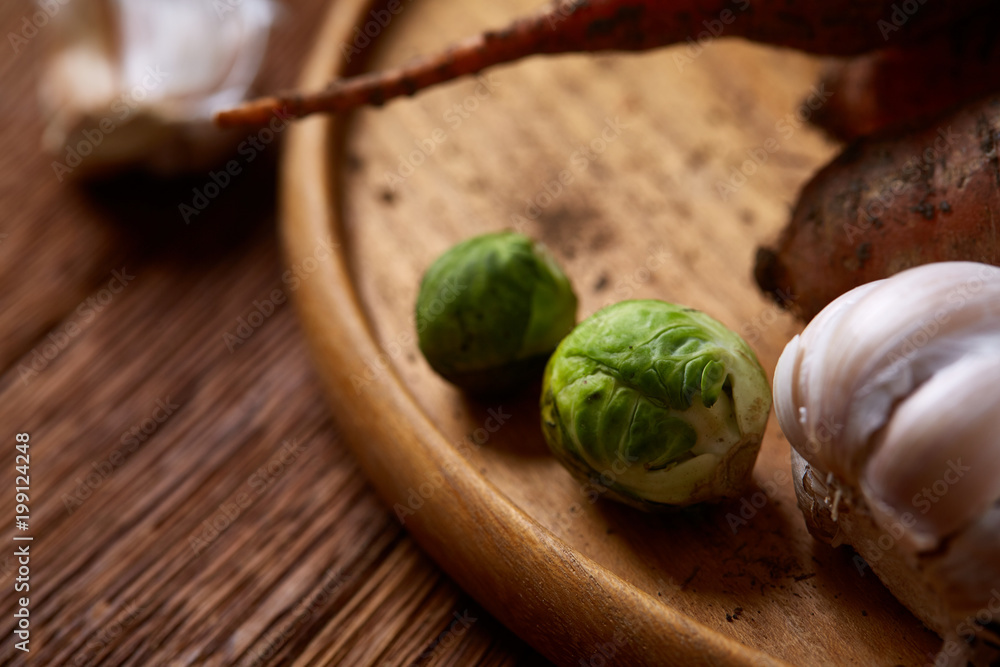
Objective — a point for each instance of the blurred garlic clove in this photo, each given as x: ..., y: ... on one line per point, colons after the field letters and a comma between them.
x: 922, y: 463
x: 136, y: 82
x: 889, y: 399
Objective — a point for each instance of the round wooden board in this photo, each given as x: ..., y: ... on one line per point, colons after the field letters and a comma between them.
x: 614, y: 161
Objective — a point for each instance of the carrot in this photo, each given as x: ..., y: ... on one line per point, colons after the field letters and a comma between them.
x: 840, y: 27
x: 913, y: 84
x: 889, y: 203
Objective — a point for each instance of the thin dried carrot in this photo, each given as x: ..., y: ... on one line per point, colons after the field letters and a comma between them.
x: 842, y: 27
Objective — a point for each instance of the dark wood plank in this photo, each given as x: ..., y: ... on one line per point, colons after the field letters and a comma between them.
x: 236, y: 529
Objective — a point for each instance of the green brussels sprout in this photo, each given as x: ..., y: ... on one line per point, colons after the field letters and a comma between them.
x: 491, y: 310
x: 662, y: 405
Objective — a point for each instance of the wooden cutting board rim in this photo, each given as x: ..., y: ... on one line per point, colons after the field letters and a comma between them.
x: 564, y: 604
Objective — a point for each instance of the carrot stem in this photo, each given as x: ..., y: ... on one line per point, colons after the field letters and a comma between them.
x: 841, y: 27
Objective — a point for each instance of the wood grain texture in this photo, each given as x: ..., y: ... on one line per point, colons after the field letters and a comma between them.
x: 237, y: 529
x: 641, y: 214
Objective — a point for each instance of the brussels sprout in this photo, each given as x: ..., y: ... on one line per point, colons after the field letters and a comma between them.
x: 491, y: 310
x: 663, y: 405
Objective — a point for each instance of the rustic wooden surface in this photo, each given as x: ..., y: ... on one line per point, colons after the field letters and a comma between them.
x: 240, y: 531
x: 645, y: 218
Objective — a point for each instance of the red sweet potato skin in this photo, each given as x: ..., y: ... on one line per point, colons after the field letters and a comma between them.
x: 843, y: 27
x: 890, y: 203
x: 909, y: 84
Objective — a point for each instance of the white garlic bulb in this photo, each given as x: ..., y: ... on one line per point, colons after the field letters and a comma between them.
x: 890, y: 399
x: 137, y: 81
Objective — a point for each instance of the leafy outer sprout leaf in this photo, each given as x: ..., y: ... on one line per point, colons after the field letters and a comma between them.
x: 661, y: 404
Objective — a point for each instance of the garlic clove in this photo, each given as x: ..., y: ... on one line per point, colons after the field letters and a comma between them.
x: 136, y: 82
x: 812, y: 409
x: 933, y: 474
x: 968, y: 572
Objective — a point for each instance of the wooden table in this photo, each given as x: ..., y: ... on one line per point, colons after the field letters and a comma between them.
x: 190, y: 500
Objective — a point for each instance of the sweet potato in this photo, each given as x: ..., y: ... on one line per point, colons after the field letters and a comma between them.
x: 913, y: 84
x: 889, y: 203
x: 840, y: 27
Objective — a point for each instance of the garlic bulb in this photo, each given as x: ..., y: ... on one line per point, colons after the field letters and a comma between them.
x: 890, y: 399
x: 137, y: 81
